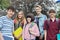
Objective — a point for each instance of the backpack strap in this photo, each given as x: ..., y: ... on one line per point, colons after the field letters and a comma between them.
x: 31, y: 25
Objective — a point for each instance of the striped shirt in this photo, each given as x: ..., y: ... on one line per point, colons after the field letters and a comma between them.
x: 6, y: 26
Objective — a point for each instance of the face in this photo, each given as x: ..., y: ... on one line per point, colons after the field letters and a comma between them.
x: 10, y: 13
x: 52, y: 15
x: 38, y: 10
x: 28, y: 20
x: 20, y: 14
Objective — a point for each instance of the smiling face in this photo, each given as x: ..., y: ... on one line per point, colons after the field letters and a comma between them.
x: 10, y: 13
x: 38, y: 10
x: 20, y: 14
x: 28, y: 20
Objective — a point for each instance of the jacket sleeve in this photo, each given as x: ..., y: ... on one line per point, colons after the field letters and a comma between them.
x: 41, y: 24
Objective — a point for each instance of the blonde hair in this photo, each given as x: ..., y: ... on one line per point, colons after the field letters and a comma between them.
x: 22, y: 18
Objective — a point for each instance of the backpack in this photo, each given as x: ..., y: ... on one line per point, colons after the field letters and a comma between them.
x: 48, y: 22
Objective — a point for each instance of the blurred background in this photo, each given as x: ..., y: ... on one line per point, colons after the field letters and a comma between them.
x: 28, y: 5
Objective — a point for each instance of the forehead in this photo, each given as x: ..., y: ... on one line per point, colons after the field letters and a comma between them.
x: 21, y: 12
x: 38, y: 6
x: 52, y: 13
x: 28, y: 18
x: 10, y: 10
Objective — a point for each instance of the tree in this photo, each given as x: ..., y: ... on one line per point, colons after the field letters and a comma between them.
x: 4, y: 4
x: 58, y: 14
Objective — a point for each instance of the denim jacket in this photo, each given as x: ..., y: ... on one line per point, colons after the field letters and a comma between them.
x: 42, y: 18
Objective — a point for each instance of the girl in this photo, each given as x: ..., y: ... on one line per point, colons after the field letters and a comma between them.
x: 19, y: 21
x: 30, y: 31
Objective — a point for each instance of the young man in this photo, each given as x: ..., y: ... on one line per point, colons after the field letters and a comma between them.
x: 7, y: 24
x: 51, y: 26
x: 39, y: 19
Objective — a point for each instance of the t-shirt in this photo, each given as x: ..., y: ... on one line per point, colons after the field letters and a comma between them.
x: 6, y: 25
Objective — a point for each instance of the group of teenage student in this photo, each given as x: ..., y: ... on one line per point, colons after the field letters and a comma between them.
x: 37, y: 27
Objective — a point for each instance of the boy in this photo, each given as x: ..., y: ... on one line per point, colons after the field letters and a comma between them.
x: 7, y: 24
x: 51, y: 26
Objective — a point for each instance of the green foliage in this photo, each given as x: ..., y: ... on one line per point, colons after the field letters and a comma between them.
x: 4, y: 4
x: 58, y: 14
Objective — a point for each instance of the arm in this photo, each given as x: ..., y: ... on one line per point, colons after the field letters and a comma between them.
x: 59, y: 31
x: 13, y: 26
x: 13, y: 29
x: 1, y: 37
x: 59, y: 26
x: 45, y: 30
x: 41, y: 24
x: 45, y: 34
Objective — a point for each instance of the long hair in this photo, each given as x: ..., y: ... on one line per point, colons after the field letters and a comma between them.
x: 20, y: 19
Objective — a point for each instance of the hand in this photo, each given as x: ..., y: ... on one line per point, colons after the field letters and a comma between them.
x: 59, y: 31
x: 44, y: 39
x: 1, y: 37
x: 30, y: 30
x: 41, y: 38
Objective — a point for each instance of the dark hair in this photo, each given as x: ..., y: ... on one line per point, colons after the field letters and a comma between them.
x: 52, y: 11
x: 30, y: 15
x: 20, y: 10
x: 12, y: 8
x: 38, y: 6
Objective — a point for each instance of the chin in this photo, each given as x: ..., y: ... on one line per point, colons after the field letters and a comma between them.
x: 19, y: 17
x: 10, y: 15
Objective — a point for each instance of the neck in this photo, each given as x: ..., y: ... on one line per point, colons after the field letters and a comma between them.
x: 29, y: 22
x: 19, y: 19
x: 8, y: 16
x: 38, y: 14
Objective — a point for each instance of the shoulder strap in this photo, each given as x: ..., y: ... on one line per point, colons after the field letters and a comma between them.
x: 32, y: 25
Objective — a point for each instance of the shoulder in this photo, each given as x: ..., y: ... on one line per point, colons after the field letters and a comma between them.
x: 57, y: 19
x: 3, y: 17
x: 24, y: 20
x: 46, y: 20
x: 34, y: 24
x: 14, y: 20
x: 44, y: 15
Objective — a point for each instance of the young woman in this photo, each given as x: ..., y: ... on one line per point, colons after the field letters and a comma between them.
x: 30, y: 31
x: 19, y: 21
